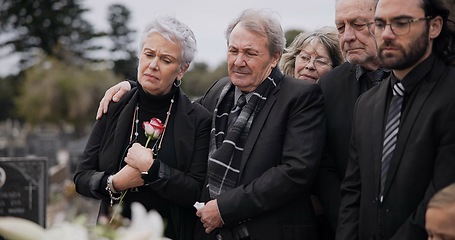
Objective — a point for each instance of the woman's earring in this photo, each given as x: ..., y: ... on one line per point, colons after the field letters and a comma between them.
x: 177, y: 82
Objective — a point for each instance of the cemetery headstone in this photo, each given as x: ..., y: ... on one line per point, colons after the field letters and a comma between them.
x: 24, y: 188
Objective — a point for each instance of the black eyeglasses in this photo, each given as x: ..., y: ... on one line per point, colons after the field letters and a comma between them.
x: 399, y: 27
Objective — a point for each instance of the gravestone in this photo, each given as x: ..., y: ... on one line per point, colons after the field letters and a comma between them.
x: 45, y: 144
x: 24, y: 188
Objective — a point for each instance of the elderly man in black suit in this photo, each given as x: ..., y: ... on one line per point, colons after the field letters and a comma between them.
x: 259, y: 182
x: 341, y: 88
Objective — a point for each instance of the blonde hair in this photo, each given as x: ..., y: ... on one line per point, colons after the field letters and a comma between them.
x: 327, y: 36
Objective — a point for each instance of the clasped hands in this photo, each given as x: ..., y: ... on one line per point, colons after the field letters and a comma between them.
x: 138, y: 159
x: 210, y: 216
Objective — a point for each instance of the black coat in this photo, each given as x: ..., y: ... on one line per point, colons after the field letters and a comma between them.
x: 278, y: 166
x: 423, y: 161
x: 341, y: 90
x: 181, y: 186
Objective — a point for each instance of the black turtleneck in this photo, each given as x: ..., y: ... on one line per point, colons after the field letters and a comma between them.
x: 151, y: 106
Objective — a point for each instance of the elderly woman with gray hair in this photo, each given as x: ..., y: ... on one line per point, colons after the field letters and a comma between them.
x: 151, y: 146
x: 312, y: 54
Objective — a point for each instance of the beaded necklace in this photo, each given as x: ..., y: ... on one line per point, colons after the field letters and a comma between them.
x: 155, y: 147
x: 155, y: 150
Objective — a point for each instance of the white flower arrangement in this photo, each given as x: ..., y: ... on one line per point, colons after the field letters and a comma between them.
x: 143, y: 226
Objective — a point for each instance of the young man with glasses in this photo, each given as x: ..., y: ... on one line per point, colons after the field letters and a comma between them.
x: 402, y: 148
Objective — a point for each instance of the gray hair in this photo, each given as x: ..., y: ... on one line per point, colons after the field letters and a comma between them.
x: 263, y: 22
x: 176, y: 32
x: 327, y: 36
x: 373, y: 2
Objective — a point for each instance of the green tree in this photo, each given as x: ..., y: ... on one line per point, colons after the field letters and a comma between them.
x: 124, y: 57
x: 54, y: 28
x: 55, y: 92
x: 200, y: 77
x: 7, y: 92
x: 290, y: 35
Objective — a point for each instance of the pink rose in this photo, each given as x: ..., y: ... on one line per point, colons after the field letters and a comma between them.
x: 153, y: 129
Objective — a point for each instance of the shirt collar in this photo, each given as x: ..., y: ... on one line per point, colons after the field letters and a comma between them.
x: 359, y: 71
x: 275, y: 74
x: 238, y: 93
x: 418, y: 73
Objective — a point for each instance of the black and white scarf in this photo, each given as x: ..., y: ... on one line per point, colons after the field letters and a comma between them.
x: 226, y: 145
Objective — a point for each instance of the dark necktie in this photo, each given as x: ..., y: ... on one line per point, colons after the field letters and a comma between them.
x: 376, y: 76
x: 371, y: 79
x: 235, y: 112
x: 391, y: 131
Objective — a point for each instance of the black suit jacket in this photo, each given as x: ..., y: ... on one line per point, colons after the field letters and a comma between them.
x: 423, y: 161
x: 341, y: 90
x: 182, y: 186
x: 278, y: 166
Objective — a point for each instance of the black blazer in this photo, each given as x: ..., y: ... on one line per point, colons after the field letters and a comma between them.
x: 423, y: 161
x: 341, y: 90
x: 279, y: 163
x: 181, y: 186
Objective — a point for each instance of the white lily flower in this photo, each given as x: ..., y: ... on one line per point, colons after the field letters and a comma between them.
x: 144, y: 225
x: 23, y: 229
x: 20, y: 229
x: 67, y: 231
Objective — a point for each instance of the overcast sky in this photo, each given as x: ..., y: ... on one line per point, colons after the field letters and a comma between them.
x: 209, y: 18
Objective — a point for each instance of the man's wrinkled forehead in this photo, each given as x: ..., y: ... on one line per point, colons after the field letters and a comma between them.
x: 354, y: 10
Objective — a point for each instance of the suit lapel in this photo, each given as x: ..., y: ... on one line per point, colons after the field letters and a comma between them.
x: 210, y: 100
x: 352, y: 90
x: 257, y: 127
x: 123, y: 132
x: 378, y: 101
x: 410, y: 115
x: 184, y: 131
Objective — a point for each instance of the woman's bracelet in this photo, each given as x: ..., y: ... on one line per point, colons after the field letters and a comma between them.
x: 110, y: 189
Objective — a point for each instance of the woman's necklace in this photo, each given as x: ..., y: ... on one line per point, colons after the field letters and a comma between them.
x: 157, y: 146
x: 155, y: 149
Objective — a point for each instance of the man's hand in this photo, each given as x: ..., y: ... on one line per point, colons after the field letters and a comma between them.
x: 114, y: 93
x: 210, y: 216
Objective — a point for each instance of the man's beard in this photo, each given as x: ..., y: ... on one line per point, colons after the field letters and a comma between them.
x: 406, y: 59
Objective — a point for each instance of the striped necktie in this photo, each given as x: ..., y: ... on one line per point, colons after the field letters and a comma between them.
x: 391, y: 131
